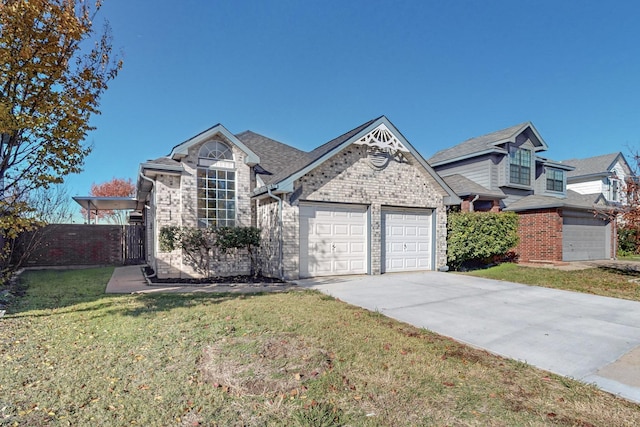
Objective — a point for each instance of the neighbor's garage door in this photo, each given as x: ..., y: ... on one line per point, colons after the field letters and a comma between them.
x: 333, y: 239
x: 407, y: 239
x: 585, y: 237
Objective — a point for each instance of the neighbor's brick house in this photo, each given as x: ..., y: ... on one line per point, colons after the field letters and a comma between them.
x: 504, y: 170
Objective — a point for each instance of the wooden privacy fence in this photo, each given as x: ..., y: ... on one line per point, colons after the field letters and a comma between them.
x: 84, y: 244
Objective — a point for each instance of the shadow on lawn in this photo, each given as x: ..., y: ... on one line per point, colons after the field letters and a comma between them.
x: 624, y: 270
x: 40, y: 293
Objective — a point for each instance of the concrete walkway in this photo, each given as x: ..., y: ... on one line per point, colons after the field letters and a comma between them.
x: 590, y: 338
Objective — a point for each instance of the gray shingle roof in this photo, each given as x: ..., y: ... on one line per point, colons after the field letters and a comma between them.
x: 478, y: 144
x: 310, y: 157
x: 598, y: 165
x: 275, y: 156
x: 463, y: 187
x: 573, y: 200
x: 163, y: 163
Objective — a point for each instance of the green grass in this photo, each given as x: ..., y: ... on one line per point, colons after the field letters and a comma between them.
x: 70, y: 355
x: 608, y: 282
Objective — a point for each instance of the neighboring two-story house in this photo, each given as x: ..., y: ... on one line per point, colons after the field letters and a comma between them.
x: 505, y: 170
x: 597, y: 175
x: 365, y: 202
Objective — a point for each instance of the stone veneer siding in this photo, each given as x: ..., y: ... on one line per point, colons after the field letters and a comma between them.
x: 540, y: 234
x: 348, y: 177
x: 177, y: 204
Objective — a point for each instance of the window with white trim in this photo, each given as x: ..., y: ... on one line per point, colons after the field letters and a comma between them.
x: 216, y: 185
x: 614, y: 185
x: 519, y: 166
x: 555, y: 179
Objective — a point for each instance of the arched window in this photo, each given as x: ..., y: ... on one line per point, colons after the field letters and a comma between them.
x: 216, y: 185
x: 215, y: 150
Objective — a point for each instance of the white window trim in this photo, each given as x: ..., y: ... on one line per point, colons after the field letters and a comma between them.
x: 208, y: 165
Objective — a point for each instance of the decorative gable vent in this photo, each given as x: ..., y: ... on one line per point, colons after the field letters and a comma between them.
x: 382, y: 146
x: 382, y: 139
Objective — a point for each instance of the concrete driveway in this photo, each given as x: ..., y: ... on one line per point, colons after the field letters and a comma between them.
x: 590, y: 338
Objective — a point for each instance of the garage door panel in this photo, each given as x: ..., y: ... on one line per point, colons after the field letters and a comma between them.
x: 407, y: 240
x: 341, y: 230
x: 333, y: 240
x: 411, y: 231
x: 585, y: 238
x: 357, y: 230
x: 357, y: 248
x: 322, y: 229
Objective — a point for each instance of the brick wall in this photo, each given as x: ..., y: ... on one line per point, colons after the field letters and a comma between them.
x: 77, y: 244
x: 348, y: 177
x: 176, y: 204
x: 540, y: 234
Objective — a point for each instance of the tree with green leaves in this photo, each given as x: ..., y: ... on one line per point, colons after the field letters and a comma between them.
x: 50, y: 87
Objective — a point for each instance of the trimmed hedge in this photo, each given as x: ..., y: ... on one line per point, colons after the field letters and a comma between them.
x: 480, y: 237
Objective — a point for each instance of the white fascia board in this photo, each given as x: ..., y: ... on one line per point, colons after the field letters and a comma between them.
x: 180, y: 151
x: 160, y: 168
x: 587, y: 177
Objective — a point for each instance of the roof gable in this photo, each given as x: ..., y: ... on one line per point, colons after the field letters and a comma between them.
x: 181, y: 150
x: 489, y: 143
x: 597, y: 166
x: 379, y: 133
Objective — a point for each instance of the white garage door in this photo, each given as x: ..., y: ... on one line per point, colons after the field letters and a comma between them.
x: 585, y: 238
x: 407, y: 240
x: 333, y: 239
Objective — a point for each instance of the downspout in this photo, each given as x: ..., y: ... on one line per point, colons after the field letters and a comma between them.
x: 154, y: 216
x: 471, y: 208
x: 280, y: 237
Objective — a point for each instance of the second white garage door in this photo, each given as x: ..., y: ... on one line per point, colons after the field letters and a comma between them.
x: 333, y: 239
x: 407, y: 240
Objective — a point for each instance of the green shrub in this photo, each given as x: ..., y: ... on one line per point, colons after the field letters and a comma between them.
x: 627, y: 241
x: 197, y: 243
x: 480, y: 237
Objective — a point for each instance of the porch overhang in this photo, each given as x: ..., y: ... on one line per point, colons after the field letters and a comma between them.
x: 93, y: 203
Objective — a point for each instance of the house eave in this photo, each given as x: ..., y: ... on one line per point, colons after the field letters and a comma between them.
x: 469, y: 156
x: 263, y: 192
x: 181, y: 150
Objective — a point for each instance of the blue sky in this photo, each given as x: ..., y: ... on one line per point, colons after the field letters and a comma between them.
x: 304, y: 72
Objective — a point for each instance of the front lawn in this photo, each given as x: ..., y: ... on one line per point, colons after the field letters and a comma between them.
x: 71, y: 355
x: 598, y: 281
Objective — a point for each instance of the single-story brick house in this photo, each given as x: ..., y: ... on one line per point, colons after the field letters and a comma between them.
x: 365, y: 202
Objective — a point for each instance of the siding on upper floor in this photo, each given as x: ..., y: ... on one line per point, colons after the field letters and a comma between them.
x: 478, y: 170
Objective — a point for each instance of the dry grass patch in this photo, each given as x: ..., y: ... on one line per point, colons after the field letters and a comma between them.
x: 270, y: 364
x: 72, y: 356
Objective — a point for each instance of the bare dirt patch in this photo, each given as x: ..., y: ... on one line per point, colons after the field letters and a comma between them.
x: 263, y: 365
